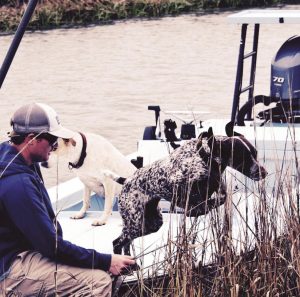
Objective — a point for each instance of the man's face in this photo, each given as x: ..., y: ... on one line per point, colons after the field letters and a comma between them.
x: 41, y: 146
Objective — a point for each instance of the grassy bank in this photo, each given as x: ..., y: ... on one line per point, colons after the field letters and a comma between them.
x: 55, y: 13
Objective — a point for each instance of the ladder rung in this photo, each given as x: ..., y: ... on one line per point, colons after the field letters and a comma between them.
x: 250, y: 54
x: 247, y: 88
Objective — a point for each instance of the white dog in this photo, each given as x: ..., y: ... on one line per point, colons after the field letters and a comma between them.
x: 90, y: 155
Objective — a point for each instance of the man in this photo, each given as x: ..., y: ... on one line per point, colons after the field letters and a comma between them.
x: 35, y: 260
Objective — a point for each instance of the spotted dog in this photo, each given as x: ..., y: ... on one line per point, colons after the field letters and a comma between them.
x: 187, y: 178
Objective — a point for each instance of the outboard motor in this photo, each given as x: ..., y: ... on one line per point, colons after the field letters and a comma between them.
x: 285, y: 82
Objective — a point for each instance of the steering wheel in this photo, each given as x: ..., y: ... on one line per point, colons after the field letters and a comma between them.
x: 248, y: 106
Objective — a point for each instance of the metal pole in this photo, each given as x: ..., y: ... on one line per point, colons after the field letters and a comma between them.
x: 239, y: 74
x: 16, y: 40
x: 253, y: 65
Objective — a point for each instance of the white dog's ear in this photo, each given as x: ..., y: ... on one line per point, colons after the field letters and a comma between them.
x: 71, y: 140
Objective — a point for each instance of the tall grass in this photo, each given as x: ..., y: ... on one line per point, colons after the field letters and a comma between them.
x: 251, y: 246
x: 55, y: 13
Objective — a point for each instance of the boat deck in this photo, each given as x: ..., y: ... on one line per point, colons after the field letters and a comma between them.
x: 151, y: 251
x: 156, y: 251
x: 82, y: 233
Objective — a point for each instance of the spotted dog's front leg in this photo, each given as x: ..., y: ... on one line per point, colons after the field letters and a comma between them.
x: 222, y: 194
x: 119, y: 244
x: 218, y: 199
x: 202, y: 202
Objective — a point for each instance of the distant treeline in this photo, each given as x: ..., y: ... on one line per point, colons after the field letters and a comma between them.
x: 57, y: 13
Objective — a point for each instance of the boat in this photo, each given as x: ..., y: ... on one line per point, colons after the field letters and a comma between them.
x: 270, y: 121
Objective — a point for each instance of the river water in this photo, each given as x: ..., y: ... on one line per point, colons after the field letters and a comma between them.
x: 102, y: 78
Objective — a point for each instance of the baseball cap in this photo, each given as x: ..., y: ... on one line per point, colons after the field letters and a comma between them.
x: 38, y: 118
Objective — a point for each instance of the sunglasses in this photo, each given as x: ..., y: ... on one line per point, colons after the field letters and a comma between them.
x: 52, y: 140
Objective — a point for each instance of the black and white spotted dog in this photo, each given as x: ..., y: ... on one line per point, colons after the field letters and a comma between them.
x: 188, y: 177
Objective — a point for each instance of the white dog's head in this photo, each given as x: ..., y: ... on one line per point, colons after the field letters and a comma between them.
x: 65, y: 149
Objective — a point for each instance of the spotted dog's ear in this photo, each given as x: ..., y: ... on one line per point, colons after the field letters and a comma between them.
x: 210, y: 137
x: 199, y: 143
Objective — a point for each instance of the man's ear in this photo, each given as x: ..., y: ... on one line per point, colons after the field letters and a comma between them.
x: 30, y: 138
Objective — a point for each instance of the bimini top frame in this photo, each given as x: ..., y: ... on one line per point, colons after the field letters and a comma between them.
x: 255, y: 17
x: 265, y: 16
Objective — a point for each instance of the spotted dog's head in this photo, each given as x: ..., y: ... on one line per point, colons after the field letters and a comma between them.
x: 236, y: 152
x: 243, y: 158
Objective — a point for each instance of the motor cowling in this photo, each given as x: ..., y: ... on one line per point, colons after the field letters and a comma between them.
x: 285, y: 79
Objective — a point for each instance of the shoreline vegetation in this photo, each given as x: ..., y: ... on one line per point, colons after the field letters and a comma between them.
x: 51, y: 14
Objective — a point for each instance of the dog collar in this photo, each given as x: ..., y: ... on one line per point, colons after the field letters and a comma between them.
x: 82, y: 154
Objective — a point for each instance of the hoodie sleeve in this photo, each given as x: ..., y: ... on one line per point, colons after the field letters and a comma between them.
x: 28, y: 212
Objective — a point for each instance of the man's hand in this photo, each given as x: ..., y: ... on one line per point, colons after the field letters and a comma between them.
x: 119, y: 263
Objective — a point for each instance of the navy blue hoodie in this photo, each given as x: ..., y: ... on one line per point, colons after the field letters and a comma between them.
x: 27, y: 220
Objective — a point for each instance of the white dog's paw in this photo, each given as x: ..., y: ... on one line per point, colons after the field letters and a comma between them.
x: 99, y: 222
x: 78, y: 215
